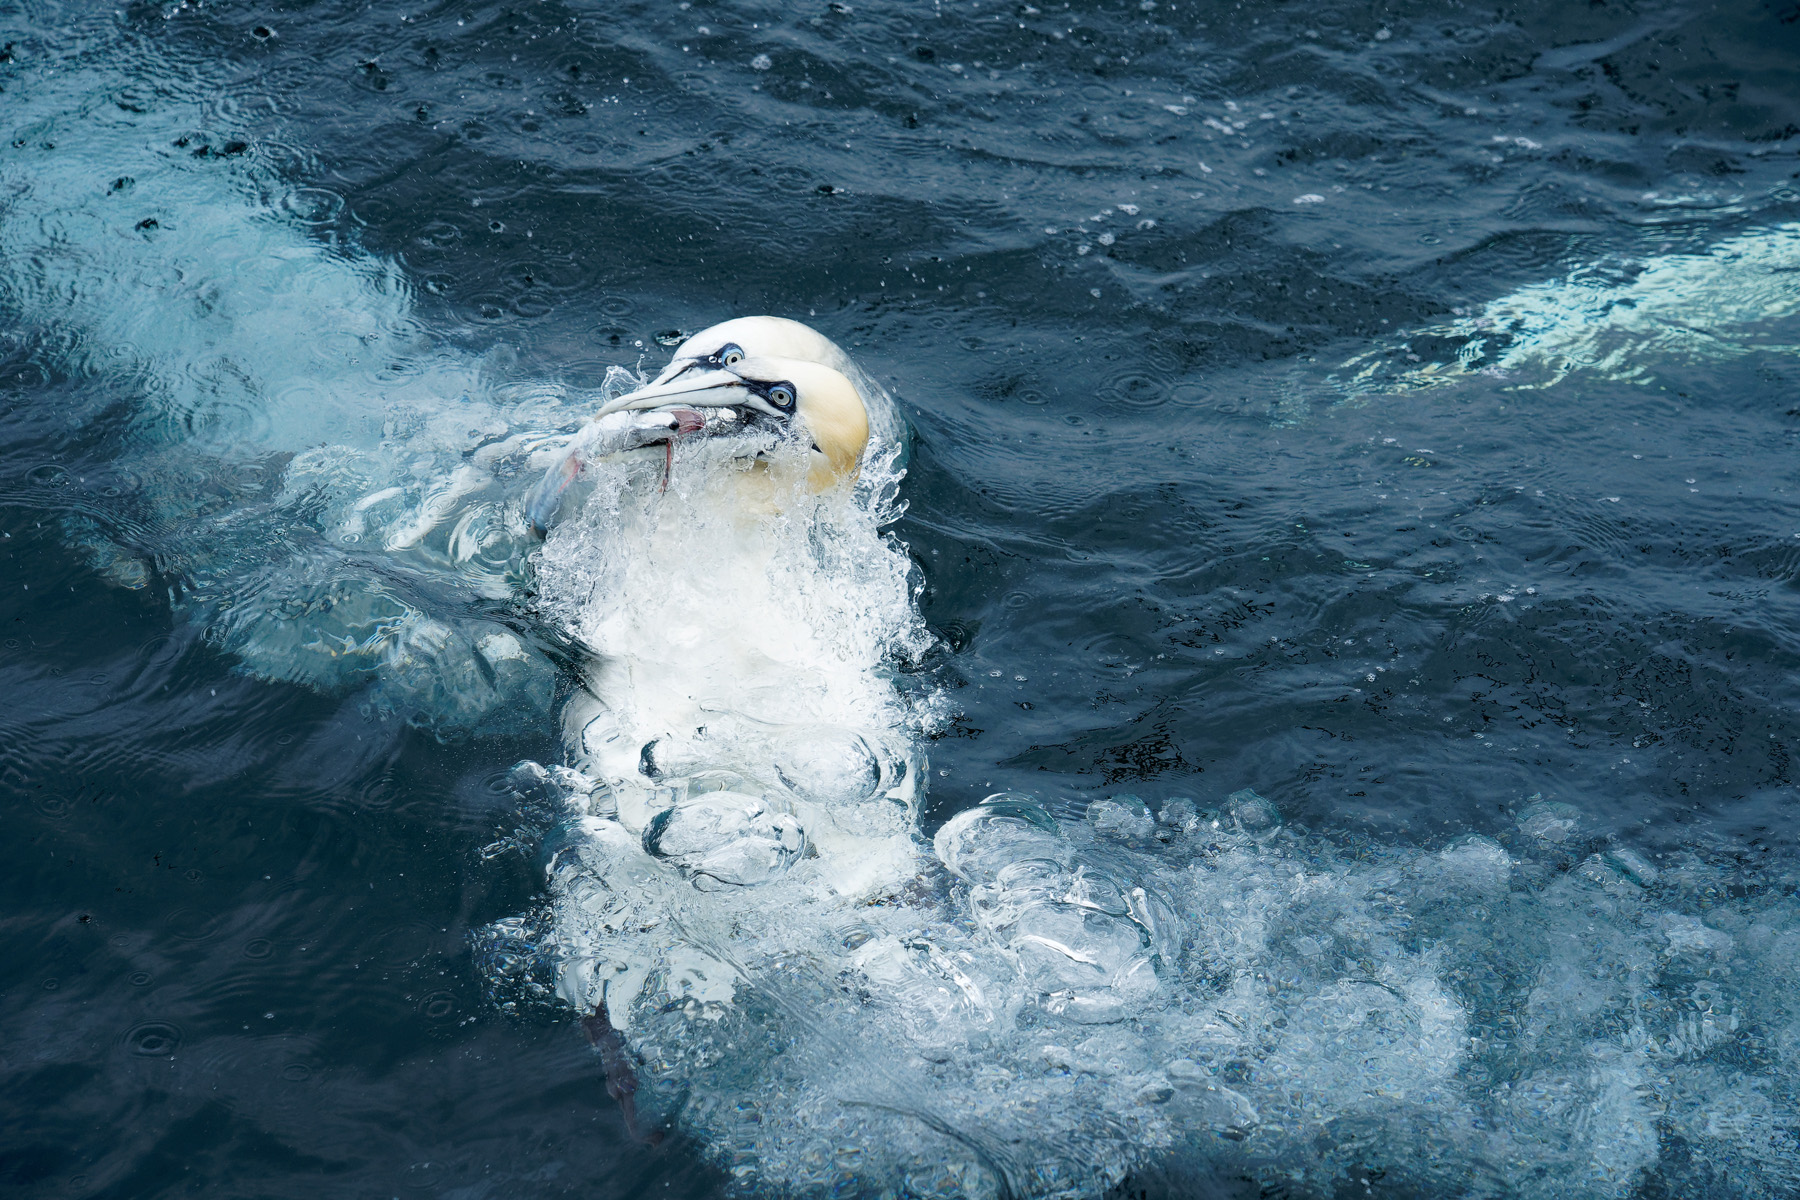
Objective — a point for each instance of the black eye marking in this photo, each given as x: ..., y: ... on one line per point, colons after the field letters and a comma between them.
x: 728, y: 355
x: 781, y: 396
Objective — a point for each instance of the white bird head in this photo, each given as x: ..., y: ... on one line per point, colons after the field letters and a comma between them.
x: 777, y: 372
x: 755, y: 337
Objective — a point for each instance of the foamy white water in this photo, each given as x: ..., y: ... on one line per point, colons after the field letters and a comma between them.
x: 1623, y: 318
x: 327, y: 489
x: 1052, y: 1004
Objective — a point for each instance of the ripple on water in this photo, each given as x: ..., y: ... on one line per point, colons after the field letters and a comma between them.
x: 245, y: 1059
x: 25, y: 376
x: 1134, y: 388
x: 438, y: 234
x: 531, y: 303
x: 219, y: 405
x: 484, y: 550
x: 52, y: 805
x: 114, y: 481
x: 313, y: 205
x: 48, y: 476
x: 424, y: 1176
x: 123, y: 364
x: 562, y: 274
x: 1118, y: 652
x: 301, y: 396
x: 1161, y: 359
x: 487, y: 308
x: 374, y: 211
x: 153, y: 1039
x: 159, y: 653
x: 240, y: 477
x: 498, y: 785
x: 192, y: 925
x: 379, y: 792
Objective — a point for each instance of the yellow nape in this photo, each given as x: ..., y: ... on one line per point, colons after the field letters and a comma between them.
x: 831, y: 411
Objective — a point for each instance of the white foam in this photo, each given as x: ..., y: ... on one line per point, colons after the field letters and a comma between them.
x: 742, y: 636
x: 1238, y: 998
x: 1622, y: 318
x: 322, y: 487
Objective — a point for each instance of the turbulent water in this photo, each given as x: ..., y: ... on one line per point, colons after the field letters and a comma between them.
x: 1304, y: 707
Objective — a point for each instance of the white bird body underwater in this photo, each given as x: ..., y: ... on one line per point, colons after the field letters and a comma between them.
x: 740, y: 609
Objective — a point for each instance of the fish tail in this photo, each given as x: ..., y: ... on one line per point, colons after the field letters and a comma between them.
x: 542, y: 504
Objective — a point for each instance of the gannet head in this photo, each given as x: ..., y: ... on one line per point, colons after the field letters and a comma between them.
x: 725, y: 344
x: 779, y: 374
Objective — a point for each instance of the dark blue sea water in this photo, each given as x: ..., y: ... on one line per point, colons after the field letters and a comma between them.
x: 1389, y: 409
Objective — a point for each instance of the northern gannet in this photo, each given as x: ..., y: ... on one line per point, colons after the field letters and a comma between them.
x: 750, y: 376
x: 732, y: 705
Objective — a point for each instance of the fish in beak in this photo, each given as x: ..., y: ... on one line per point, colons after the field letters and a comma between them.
x: 687, y: 399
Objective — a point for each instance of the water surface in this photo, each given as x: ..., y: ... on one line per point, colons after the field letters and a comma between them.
x: 1387, y: 409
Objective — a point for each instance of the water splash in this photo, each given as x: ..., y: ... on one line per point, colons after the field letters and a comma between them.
x: 312, y: 479
x: 1048, y: 1005
x: 742, y: 637
x: 1041, y: 1005
x: 1622, y: 318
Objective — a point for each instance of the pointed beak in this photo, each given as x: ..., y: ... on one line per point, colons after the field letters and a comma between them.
x: 714, y: 388
x: 682, y: 366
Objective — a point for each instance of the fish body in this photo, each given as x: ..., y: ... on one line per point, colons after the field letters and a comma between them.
x: 616, y: 433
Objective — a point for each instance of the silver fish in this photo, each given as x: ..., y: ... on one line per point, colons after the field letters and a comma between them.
x: 616, y: 433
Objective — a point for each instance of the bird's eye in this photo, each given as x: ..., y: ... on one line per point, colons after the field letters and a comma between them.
x: 781, y: 395
x: 731, y: 354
